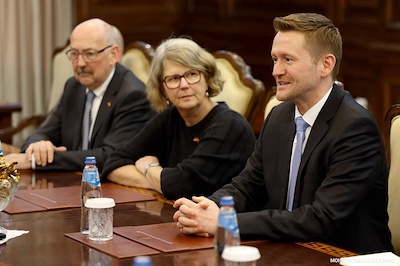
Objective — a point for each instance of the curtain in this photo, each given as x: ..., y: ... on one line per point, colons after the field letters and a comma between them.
x: 30, y: 30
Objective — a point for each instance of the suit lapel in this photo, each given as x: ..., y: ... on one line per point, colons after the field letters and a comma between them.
x: 286, y: 131
x: 318, y: 132
x: 107, y: 102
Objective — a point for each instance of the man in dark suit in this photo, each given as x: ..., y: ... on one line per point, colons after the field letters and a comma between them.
x: 118, y: 111
x: 339, y: 192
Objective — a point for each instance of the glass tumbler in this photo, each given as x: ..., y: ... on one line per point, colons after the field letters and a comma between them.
x: 100, y: 218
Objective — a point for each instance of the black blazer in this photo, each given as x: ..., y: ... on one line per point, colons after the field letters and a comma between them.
x: 341, y: 191
x: 122, y: 113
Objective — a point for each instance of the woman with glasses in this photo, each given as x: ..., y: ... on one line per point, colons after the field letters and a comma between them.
x: 194, y: 145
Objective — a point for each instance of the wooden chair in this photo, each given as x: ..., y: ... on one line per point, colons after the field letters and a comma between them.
x: 272, y: 101
x: 137, y: 57
x: 242, y: 92
x: 392, y: 146
x: 34, y: 121
x: 61, y: 71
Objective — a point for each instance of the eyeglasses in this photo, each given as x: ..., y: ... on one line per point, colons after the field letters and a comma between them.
x: 174, y: 81
x: 87, y: 55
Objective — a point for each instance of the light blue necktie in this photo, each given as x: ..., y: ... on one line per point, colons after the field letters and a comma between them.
x: 301, y: 126
x: 87, y: 120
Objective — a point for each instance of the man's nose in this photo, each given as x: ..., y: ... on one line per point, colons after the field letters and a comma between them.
x: 81, y: 61
x: 278, y: 69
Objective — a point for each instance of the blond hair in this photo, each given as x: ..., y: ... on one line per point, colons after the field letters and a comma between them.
x: 321, y: 35
x: 187, y: 53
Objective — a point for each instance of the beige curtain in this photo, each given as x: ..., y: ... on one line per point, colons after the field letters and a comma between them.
x: 30, y: 30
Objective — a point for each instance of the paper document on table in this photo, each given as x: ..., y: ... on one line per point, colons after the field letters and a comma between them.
x: 376, y: 259
x: 119, y: 247
x: 165, y: 237
x: 69, y: 197
x: 18, y: 205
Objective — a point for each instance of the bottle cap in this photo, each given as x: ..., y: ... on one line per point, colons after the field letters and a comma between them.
x: 227, y: 201
x: 100, y: 203
x: 241, y: 253
x: 142, y: 261
x: 90, y: 160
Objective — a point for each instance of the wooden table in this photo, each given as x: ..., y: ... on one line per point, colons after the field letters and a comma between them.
x: 46, y: 244
x: 6, y: 110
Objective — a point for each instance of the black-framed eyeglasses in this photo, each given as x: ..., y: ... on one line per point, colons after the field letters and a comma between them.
x: 192, y: 76
x: 87, y: 55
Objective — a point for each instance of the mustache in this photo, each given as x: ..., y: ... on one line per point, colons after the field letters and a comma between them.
x: 83, y: 70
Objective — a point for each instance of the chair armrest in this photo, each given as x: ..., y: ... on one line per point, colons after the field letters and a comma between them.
x: 34, y: 120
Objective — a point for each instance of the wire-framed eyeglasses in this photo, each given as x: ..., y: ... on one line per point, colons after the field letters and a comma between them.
x: 87, y: 55
x: 191, y: 76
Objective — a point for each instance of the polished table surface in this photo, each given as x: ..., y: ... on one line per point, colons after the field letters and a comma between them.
x: 46, y: 243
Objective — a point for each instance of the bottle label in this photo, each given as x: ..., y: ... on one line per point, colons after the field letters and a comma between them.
x: 92, y: 177
x: 228, y: 221
x: 2, y: 160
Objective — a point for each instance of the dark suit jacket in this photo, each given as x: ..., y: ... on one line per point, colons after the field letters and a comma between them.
x: 122, y: 113
x: 341, y: 191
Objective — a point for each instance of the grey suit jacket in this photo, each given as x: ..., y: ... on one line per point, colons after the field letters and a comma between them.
x: 341, y: 190
x: 122, y: 113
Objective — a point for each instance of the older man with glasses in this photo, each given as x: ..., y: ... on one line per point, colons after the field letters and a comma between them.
x: 102, y: 105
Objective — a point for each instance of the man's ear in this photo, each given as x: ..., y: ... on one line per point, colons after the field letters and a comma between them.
x: 115, y: 54
x: 328, y: 63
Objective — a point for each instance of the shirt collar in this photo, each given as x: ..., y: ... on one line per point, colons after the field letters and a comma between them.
x: 99, y: 92
x: 311, y: 115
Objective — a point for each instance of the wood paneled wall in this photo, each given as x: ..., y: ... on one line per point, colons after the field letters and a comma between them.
x: 370, y: 30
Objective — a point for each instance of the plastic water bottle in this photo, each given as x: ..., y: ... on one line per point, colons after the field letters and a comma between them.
x: 142, y: 261
x: 2, y: 160
x: 227, y: 230
x: 90, y: 188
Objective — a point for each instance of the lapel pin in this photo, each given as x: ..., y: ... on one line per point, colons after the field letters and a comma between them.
x: 108, y: 104
x: 196, y: 139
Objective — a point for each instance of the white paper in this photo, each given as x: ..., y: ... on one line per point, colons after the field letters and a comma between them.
x: 12, y: 234
x: 375, y: 259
